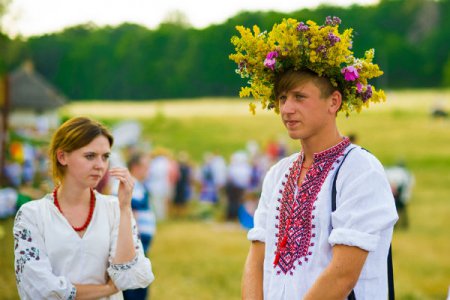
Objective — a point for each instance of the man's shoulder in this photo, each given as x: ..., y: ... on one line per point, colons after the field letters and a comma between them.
x: 362, y: 159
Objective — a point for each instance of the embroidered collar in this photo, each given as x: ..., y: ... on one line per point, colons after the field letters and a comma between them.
x: 332, y: 151
x: 296, y: 206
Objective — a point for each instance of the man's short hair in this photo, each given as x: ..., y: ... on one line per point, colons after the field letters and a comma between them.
x: 290, y: 79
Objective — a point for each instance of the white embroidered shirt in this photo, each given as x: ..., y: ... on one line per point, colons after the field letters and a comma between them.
x: 364, y: 218
x: 50, y: 257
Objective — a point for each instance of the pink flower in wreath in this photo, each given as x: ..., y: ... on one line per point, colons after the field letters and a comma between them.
x: 359, y: 87
x: 270, y: 60
x: 350, y: 73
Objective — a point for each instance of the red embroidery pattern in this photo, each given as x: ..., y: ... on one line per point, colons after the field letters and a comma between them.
x: 295, y: 228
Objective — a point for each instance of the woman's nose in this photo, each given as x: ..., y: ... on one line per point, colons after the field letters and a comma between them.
x: 99, y: 163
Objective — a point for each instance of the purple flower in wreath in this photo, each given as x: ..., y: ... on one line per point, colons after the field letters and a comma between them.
x: 322, y: 49
x: 333, y: 38
x: 302, y: 27
x: 270, y: 60
x: 367, y: 94
x: 350, y: 73
x: 336, y: 20
x: 332, y: 21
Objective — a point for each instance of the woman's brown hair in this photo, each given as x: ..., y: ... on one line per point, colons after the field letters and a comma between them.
x: 72, y: 135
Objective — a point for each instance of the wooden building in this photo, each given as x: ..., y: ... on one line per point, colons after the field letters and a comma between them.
x: 32, y: 100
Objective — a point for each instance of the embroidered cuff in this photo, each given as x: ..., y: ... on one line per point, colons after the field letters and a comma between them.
x: 124, y: 266
x: 350, y: 237
x: 73, y: 294
x: 132, y: 275
x: 257, y: 234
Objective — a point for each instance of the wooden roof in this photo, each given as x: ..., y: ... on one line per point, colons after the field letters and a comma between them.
x: 30, y: 90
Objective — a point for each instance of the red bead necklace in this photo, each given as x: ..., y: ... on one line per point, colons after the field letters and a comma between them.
x: 91, y: 209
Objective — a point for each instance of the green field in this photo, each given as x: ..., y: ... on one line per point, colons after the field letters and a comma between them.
x: 195, y: 259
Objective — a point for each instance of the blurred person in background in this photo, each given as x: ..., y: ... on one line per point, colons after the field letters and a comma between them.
x: 76, y: 243
x: 219, y: 170
x: 183, y: 186
x: 160, y: 181
x: 402, y: 182
x: 138, y: 165
x: 238, y: 182
x: 209, y: 189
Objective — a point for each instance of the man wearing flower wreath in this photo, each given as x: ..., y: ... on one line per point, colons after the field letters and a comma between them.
x: 304, y: 246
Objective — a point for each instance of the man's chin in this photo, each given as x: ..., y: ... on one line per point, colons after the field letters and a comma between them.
x: 294, y: 135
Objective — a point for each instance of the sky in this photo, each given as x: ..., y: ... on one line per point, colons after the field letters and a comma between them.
x: 35, y: 17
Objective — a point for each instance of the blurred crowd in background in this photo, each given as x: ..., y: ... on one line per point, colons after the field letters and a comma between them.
x: 217, y: 187
x: 224, y: 188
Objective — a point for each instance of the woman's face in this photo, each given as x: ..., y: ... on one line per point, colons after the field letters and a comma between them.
x: 86, y: 166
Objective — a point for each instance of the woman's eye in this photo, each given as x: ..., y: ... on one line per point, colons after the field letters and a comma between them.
x: 90, y: 156
x: 105, y: 157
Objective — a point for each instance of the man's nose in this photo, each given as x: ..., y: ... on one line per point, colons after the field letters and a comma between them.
x: 287, y: 107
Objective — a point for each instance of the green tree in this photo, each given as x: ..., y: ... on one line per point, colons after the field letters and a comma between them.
x: 446, y: 77
x: 130, y: 61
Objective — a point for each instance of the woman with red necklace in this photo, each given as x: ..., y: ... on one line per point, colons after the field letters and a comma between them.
x: 76, y: 243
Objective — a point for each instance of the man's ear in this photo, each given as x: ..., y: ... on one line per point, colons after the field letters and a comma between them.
x: 61, y: 157
x: 335, y: 102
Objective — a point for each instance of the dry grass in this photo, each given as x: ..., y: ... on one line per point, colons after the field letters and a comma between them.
x: 220, y: 107
x: 213, y: 107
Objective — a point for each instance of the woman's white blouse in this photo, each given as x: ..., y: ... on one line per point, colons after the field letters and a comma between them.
x: 364, y: 217
x: 50, y: 257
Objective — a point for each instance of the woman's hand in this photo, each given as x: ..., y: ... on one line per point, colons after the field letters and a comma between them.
x: 112, y: 286
x: 126, y: 185
x: 125, y: 250
x: 95, y: 291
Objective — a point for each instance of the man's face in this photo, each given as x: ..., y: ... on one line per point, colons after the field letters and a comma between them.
x: 303, y: 112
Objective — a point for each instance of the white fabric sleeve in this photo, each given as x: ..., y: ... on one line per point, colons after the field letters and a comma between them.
x: 364, y: 206
x: 34, y: 276
x: 136, y: 273
x: 258, y: 232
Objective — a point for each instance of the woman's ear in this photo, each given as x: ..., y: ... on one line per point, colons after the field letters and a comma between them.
x: 61, y: 157
x: 335, y: 102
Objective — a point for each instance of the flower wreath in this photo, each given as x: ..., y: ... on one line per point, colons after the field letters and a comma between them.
x: 298, y: 45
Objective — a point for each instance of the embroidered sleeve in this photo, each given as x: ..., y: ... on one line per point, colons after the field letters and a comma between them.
x: 34, y: 276
x: 365, y: 207
x: 134, y: 274
x: 125, y: 266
